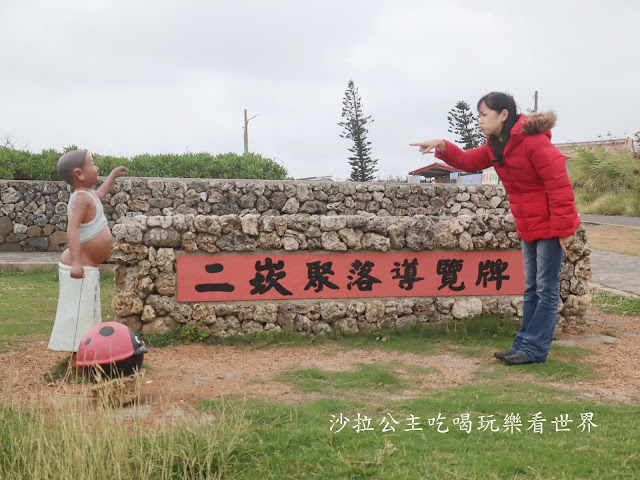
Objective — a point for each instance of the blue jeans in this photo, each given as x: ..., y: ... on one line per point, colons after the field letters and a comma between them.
x: 542, y: 262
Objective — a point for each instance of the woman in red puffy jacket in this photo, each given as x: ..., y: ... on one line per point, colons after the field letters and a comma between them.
x: 534, y: 174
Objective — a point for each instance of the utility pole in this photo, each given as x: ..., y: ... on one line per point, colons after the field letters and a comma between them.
x: 246, y: 131
x: 535, y: 103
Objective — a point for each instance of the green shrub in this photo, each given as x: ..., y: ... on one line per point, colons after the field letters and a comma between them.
x: 596, y: 170
x: 24, y: 165
x: 606, y: 183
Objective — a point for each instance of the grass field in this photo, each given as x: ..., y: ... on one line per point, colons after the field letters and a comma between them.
x: 28, y: 301
x: 522, y: 423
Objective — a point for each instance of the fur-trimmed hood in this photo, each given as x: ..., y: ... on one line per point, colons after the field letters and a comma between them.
x: 539, y: 123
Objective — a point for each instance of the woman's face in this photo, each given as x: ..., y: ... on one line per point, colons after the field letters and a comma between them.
x: 491, y: 121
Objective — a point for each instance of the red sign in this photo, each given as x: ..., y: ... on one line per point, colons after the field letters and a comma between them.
x: 225, y: 278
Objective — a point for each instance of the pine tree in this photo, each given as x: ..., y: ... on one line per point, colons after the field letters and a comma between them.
x: 363, y: 167
x: 464, y: 123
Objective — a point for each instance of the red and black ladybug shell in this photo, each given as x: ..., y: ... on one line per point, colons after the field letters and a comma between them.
x: 107, y: 343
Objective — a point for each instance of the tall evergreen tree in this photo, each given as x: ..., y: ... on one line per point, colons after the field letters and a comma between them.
x: 363, y: 167
x: 464, y: 123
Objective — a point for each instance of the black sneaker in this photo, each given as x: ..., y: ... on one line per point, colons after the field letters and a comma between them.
x: 501, y: 355
x: 516, y: 359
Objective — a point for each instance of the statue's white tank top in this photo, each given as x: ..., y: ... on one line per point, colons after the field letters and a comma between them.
x: 95, y: 226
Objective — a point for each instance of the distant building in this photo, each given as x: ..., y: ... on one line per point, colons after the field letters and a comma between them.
x: 327, y: 178
x: 611, y: 145
x: 442, y: 173
x: 489, y: 175
x: 435, y: 173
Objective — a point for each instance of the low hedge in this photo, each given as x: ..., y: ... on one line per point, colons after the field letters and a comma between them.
x: 25, y: 165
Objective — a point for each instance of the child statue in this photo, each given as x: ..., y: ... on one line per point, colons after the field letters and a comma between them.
x: 89, y: 244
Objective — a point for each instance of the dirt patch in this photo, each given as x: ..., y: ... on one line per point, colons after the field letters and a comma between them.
x: 611, y: 238
x: 184, y: 374
x: 187, y: 373
x: 616, y: 362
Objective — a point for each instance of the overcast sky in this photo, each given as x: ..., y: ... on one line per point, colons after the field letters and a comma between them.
x: 125, y: 77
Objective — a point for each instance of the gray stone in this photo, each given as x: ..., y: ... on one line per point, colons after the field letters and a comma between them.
x: 321, y: 328
x: 125, y: 304
x: 10, y: 195
x: 266, y: 313
x: 19, y: 228
x: 148, y: 314
x: 58, y: 238
x: 6, y: 226
x: 466, y: 241
x: 466, y: 307
x: 247, y: 200
x: 250, y: 224
x: 303, y: 324
x: 120, y: 197
x: 278, y: 199
x: 159, y: 326
x: 134, y: 322
x: 374, y: 311
x: 230, y: 223
x: 280, y: 225
x: 420, y: 234
x: 166, y: 283
x: 331, y: 241
x: 304, y: 192
x: 182, y: 313
x: 251, y: 327
x: 207, y: 224
x: 291, y: 206
x: 313, y: 206
x: 126, y: 232
x: 39, y: 243
x: 160, y: 203
x: 334, y: 223
x: 207, y: 242
x: 204, y: 313
x: 236, y: 241
x: 162, y: 237
x: 286, y: 316
x: 139, y: 205
x: 10, y: 247
x: 444, y: 304
x: 332, y: 311
x: 269, y: 241
x: 290, y: 243
x: 349, y: 325
x: 161, y: 304
x: 33, y: 231
x: 373, y: 241
x: 351, y: 237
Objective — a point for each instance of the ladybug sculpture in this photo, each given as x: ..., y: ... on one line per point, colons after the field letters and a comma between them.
x: 114, y: 347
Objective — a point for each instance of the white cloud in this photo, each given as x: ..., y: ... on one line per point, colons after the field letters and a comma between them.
x: 161, y: 76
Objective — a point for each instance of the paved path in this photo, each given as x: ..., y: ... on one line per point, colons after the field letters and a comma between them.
x: 615, y: 271
x: 610, y: 220
x: 11, y: 261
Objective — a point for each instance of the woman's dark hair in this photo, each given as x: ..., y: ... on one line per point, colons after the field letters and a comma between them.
x: 499, y: 101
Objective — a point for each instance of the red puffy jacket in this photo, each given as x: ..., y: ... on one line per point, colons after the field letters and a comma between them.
x: 534, y: 175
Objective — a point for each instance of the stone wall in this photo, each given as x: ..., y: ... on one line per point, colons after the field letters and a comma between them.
x: 155, y: 220
x: 33, y: 215
x: 146, y: 249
